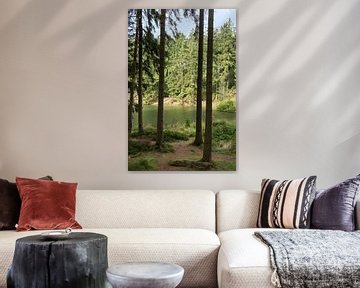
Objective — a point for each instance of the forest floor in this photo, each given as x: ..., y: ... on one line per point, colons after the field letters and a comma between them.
x: 180, y: 150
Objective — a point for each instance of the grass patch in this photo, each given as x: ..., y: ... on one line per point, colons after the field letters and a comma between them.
x: 145, y: 164
x: 224, y: 165
x: 227, y: 106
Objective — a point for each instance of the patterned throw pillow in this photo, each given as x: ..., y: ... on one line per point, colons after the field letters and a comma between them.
x: 286, y: 204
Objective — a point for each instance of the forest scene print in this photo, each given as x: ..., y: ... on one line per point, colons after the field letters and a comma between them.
x: 182, y: 90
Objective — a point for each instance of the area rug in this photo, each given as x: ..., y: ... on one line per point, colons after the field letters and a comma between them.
x: 313, y: 258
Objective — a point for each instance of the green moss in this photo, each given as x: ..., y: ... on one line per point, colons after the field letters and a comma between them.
x: 224, y: 165
x: 145, y: 164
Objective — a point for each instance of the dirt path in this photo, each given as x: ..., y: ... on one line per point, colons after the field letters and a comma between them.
x: 183, y: 151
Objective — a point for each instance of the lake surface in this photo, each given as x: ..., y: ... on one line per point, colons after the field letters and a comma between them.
x: 179, y: 114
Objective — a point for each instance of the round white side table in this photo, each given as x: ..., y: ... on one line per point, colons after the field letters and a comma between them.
x: 145, y: 275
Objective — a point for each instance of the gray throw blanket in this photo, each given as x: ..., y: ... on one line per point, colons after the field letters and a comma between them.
x: 313, y: 258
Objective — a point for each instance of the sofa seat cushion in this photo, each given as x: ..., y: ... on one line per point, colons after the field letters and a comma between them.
x: 194, y: 249
x: 244, y: 261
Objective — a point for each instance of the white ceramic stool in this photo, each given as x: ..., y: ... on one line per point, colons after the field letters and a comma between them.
x: 145, y: 275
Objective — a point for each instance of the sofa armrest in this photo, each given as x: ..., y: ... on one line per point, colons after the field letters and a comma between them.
x: 357, y: 215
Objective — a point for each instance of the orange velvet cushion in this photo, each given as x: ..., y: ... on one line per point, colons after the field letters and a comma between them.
x: 46, y: 204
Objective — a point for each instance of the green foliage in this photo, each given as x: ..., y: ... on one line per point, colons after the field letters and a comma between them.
x: 181, y: 59
x: 224, y: 77
x: 227, y: 106
x: 150, y: 132
x: 166, y: 148
x: 136, y: 147
x: 170, y: 135
x: 224, y: 137
x: 181, y: 69
x: 223, y: 131
x: 174, y: 135
x: 145, y: 164
x: 224, y: 165
x: 186, y: 128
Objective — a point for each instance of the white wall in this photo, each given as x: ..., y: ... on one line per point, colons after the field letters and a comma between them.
x: 63, y: 89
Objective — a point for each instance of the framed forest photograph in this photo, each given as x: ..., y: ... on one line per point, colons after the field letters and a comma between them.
x: 182, y: 90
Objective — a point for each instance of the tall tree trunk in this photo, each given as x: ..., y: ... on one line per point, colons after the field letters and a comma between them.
x: 132, y: 85
x: 209, y: 68
x: 198, y: 136
x: 160, y: 116
x: 139, y: 87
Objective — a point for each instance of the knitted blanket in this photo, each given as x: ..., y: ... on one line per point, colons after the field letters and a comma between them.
x: 313, y: 258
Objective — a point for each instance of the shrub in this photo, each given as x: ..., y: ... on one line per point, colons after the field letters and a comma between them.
x: 223, y: 131
x: 174, y: 135
x: 227, y: 106
x: 135, y: 147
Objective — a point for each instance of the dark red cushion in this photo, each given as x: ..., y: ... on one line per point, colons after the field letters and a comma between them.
x: 46, y: 204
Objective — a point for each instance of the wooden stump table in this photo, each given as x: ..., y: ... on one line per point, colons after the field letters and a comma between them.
x: 78, y: 261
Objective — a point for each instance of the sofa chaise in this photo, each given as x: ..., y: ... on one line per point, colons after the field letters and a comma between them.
x: 243, y: 261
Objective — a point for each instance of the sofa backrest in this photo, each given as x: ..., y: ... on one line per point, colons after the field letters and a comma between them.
x: 236, y: 209
x: 239, y: 209
x: 146, y: 209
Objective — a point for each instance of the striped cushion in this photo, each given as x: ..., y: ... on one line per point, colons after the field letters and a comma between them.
x: 286, y: 204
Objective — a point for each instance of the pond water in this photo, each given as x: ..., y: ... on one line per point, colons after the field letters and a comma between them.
x: 179, y: 114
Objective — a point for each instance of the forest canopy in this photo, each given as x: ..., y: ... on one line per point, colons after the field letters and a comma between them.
x: 181, y: 62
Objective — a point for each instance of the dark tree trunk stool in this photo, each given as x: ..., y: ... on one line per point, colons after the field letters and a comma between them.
x: 79, y: 261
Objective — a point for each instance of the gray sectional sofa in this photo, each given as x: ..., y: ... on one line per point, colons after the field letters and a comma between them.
x: 210, y: 235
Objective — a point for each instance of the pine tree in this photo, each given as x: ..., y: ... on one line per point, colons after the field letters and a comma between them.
x: 140, y: 71
x: 198, y: 136
x: 209, y: 68
x: 132, y: 83
x: 160, y: 115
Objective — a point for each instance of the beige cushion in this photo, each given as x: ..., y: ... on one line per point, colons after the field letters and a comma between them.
x: 236, y: 209
x: 146, y: 209
x: 244, y: 261
x: 194, y: 249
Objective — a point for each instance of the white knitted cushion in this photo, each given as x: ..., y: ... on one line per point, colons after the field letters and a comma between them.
x: 146, y: 209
